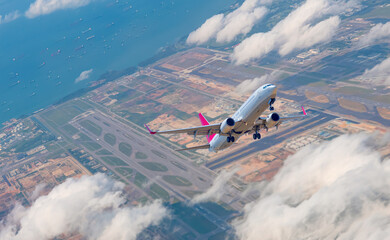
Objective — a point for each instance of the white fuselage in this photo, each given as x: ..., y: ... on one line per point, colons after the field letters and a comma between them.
x: 246, y: 116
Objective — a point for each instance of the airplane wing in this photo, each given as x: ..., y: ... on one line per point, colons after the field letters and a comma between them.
x: 200, y: 130
x: 261, y: 122
x: 282, y: 119
x: 207, y: 146
x: 294, y: 117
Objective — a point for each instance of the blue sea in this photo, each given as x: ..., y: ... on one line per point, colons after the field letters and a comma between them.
x: 40, y: 58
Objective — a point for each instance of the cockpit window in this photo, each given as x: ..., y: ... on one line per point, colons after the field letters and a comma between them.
x: 267, y: 86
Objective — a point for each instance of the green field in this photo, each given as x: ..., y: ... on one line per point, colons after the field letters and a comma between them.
x: 126, y: 95
x: 192, y: 218
x: 92, y: 146
x: 382, y: 98
x: 70, y: 129
x: 125, y: 148
x: 219, y: 236
x: 113, y: 161
x: 158, y: 192
x: 52, y: 147
x: 378, y: 12
x: 63, y: 114
x: 177, y: 180
x: 299, y: 79
x: 355, y: 91
x: 27, y: 144
x: 82, y: 105
x: 141, y: 155
x: 221, y: 210
x: 140, y: 180
x: 92, y: 127
x: 154, y: 166
x: 83, y: 137
x: 104, y: 152
x: 110, y: 139
x: 124, y: 171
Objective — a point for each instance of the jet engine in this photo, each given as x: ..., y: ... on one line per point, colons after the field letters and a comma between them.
x: 272, y: 120
x: 227, y: 125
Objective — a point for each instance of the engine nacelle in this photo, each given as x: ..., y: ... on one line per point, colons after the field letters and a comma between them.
x: 227, y: 125
x: 272, y: 120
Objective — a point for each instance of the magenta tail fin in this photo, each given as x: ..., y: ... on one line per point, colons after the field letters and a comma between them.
x: 304, y: 112
x: 204, y: 122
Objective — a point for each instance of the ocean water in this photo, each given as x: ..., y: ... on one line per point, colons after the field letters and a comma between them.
x: 40, y: 58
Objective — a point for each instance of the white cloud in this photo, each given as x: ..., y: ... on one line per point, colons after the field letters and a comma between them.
x: 376, y: 34
x: 249, y: 85
x: 334, y: 190
x: 43, y: 7
x: 311, y: 35
x: 84, y: 75
x: 216, y: 191
x: 91, y: 206
x: 207, y: 31
x: 9, y: 17
x: 379, y: 74
x: 227, y: 28
x: 38, y: 191
x: 302, y: 28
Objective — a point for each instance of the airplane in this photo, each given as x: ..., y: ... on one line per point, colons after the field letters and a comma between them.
x: 246, y: 120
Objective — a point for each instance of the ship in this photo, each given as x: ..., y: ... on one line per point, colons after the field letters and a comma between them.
x: 42, y: 65
x: 15, y: 83
x: 89, y: 29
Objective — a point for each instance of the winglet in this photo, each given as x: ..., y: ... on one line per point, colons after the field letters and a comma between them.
x: 203, y: 120
x: 149, y: 129
x: 304, y: 112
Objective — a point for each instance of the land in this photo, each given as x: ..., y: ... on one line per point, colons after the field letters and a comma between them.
x: 102, y: 130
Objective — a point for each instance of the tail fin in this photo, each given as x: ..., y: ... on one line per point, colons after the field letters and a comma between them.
x: 303, y: 110
x: 204, y: 122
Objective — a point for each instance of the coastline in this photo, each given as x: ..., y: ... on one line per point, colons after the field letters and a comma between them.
x: 107, y: 77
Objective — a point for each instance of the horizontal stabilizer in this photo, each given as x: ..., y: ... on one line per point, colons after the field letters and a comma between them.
x: 207, y: 146
x: 200, y: 130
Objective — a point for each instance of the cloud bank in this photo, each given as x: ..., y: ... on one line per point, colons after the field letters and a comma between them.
x: 216, y: 191
x: 302, y: 28
x: 225, y: 28
x: 376, y: 34
x: 249, y: 85
x: 84, y: 75
x: 380, y: 74
x: 9, y: 17
x: 335, y: 190
x: 91, y: 206
x: 43, y: 7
